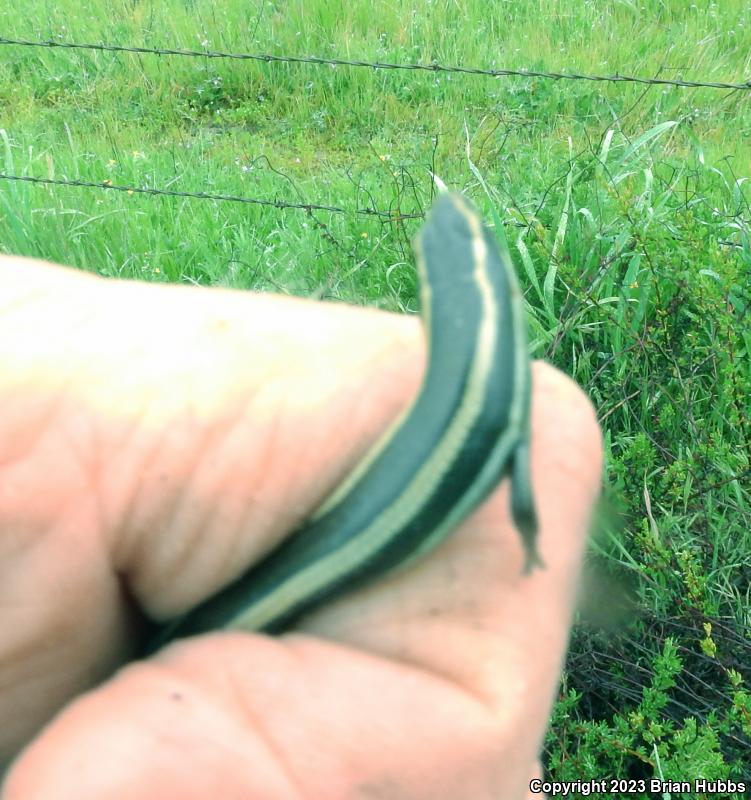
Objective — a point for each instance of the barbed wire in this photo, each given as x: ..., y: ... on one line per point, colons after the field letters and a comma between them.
x: 385, y: 215
x: 337, y: 62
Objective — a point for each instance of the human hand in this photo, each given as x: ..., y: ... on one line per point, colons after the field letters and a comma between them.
x: 154, y: 442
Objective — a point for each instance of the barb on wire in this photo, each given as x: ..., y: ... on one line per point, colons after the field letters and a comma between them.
x: 385, y: 215
x: 337, y: 62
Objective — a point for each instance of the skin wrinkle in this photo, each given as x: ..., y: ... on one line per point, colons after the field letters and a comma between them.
x: 237, y: 548
x: 132, y: 558
x: 259, y: 514
x: 379, y: 789
x: 437, y: 676
x: 50, y: 428
x: 239, y: 706
x: 77, y: 431
x: 191, y: 513
x: 97, y: 489
x: 130, y: 536
x: 269, y: 445
x: 180, y: 709
x: 180, y: 703
x: 396, y: 628
x: 128, y: 549
x: 410, y: 674
x: 173, y: 569
x: 44, y: 424
x: 241, y: 547
x: 255, y: 722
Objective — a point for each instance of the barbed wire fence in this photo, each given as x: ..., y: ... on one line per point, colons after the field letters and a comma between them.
x: 334, y: 62
x: 340, y: 62
x: 310, y: 207
x: 280, y: 204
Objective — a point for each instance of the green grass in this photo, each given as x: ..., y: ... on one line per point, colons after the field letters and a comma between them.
x: 625, y: 208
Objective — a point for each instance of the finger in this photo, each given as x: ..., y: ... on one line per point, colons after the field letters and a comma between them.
x: 238, y: 716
